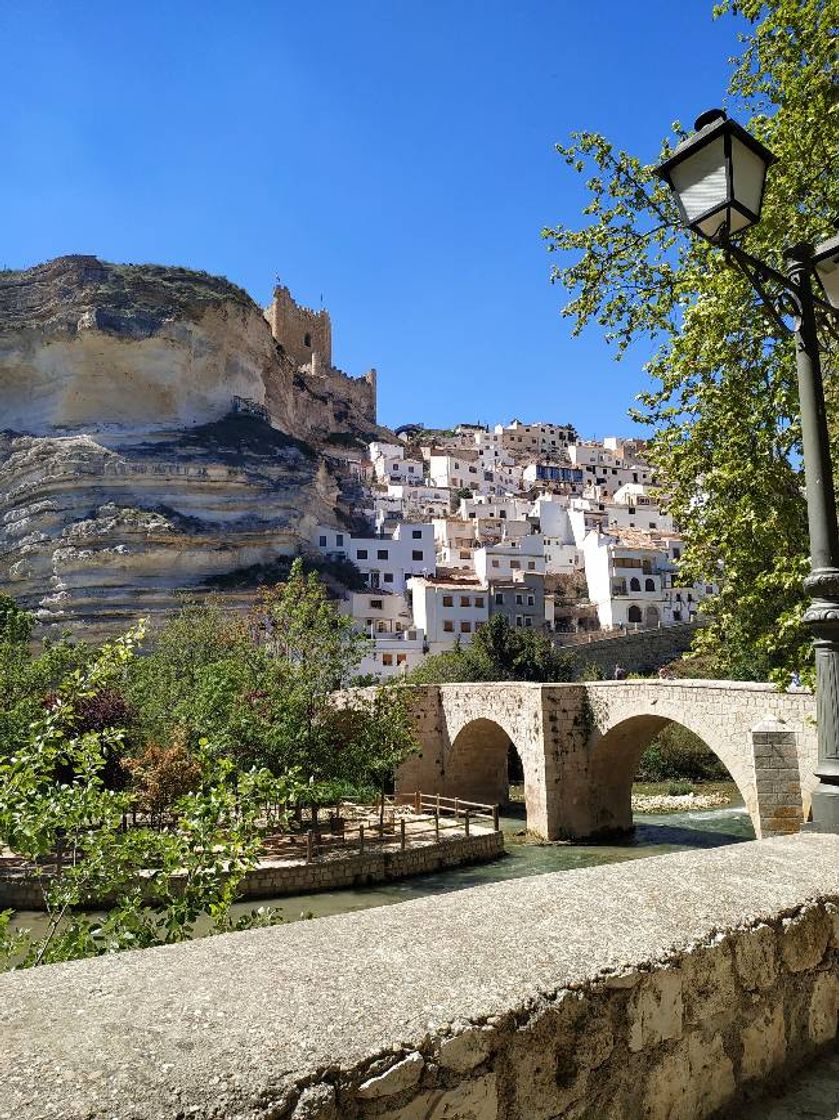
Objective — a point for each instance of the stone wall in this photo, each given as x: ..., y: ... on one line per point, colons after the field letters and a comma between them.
x: 669, y: 988
x: 274, y: 880
x: 644, y: 651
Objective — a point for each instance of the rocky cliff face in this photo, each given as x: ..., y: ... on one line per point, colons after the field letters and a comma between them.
x: 128, y: 468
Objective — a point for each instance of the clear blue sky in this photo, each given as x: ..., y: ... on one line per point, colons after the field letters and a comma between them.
x: 394, y: 157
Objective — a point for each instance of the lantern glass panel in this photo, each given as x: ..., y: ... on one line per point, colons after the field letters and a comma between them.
x: 700, y: 180
x: 827, y: 271
x: 749, y: 175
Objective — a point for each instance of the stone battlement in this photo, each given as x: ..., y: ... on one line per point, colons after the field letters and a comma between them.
x: 668, y: 988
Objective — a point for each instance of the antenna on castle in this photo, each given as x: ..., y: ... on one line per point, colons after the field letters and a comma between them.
x: 321, y: 299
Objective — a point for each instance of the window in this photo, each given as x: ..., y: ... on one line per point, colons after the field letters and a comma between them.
x: 465, y: 601
x: 322, y: 542
x: 416, y: 534
x: 678, y: 596
x: 531, y: 602
x: 401, y: 658
x: 466, y: 627
x: 519, y: 600
x: 448, y: 601
x: 448, y: 626
x: 499, y: 599
x: 387, y: 659
x: 479, y: 600
x: 531, y: 565
x: 377, y: 604
x: 502, y: 513
x: 677, y: 616
x: 634, y: 614
x: 652, y: 525
x: 416, y: 554
x: 528, y: 621
x: 515, y: 563
x: 634, y: 584
x: 339, y: 540
x: 381, y: 554
x: 307, y: 340
x: 361, y: 554
x: 690, y: 597
x: 495, y: 563
x: 649, y: 585
x: 677, y: 554
x: 388, y: 577
x: 518, y: 620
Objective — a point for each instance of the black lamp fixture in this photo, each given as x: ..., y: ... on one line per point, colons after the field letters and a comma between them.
x: 717, y: 177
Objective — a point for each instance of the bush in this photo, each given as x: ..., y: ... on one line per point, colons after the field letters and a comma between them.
x: 678, y: 754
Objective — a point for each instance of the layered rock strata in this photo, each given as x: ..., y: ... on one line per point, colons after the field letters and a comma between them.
x: 139, y: 454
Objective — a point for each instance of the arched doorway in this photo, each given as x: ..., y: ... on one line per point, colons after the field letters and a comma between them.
x: 615, y: 762
x: 482, y: 763
x: 651, y: 615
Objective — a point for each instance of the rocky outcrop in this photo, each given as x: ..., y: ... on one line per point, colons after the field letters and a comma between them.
x: 139, y: 454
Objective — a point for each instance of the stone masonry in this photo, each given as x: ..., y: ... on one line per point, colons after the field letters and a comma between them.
x: 669, y: 988
x: 580, y: 745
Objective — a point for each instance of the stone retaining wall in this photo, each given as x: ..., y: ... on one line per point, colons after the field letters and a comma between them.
x: 668, y: 988
x: 274, y: 880
x: 637, y: 652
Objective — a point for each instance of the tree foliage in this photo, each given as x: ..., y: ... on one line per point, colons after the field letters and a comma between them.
x: 723, y: 403
x: 498, y: 652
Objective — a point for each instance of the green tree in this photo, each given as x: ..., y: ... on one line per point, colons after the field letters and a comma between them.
x: 724, y: 398
x: 498, y: 652
x: 156, y: 884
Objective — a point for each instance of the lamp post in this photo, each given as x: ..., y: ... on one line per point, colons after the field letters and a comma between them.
x: 717, y: 176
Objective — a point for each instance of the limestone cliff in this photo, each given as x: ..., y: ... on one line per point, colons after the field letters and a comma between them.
x: 139, y: 453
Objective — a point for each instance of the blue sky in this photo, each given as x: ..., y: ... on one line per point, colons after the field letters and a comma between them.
x: 394, y: 158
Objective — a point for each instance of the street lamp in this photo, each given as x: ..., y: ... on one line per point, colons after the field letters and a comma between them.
x: 718, y: 176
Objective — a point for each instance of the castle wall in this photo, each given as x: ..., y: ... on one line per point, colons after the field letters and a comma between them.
x: 301, y: 331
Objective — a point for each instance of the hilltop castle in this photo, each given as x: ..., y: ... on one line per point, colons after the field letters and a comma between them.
x: 306, y: 338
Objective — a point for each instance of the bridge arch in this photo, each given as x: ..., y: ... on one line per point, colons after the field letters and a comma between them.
x: 616, y: 755
x: 476, y: 766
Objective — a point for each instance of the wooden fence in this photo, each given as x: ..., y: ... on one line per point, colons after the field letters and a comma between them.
x: 434, y: 818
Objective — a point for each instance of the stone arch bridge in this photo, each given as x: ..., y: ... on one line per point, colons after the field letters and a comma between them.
x: 580, y: 745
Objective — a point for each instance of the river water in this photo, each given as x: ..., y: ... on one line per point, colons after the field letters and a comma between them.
x: 653, y: 835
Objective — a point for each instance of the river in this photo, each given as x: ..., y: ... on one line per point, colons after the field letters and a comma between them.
x: 654, y: 835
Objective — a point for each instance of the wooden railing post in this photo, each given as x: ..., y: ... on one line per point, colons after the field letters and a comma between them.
x: 455, y: 809
x: 361, y: 839
x: 309, y: 845
x: 495, y: 821
x: 437, y: 826
x: 417, y: 802
x: 466, y: 823
x: 402, y: 833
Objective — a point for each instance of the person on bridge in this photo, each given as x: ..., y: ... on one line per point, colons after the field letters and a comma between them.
x: 619, y: 673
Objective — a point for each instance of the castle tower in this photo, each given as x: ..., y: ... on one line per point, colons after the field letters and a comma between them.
x: 301, y: 331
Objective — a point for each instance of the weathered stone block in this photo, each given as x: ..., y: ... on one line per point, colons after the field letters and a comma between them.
x: 394, y: 1080
x: 755, y: 958
x: 472, y: 1100
x: 822, y: 1012
x: 764, y: 1043
x: 466, y: 1050
x: 655, y: 1010
x: 804, y: 939
x: 709, y: 984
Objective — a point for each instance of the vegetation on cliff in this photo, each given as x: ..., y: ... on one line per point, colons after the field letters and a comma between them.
x: 724, y: 399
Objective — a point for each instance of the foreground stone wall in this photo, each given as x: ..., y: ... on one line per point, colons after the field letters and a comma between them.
x: 668, y: 988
